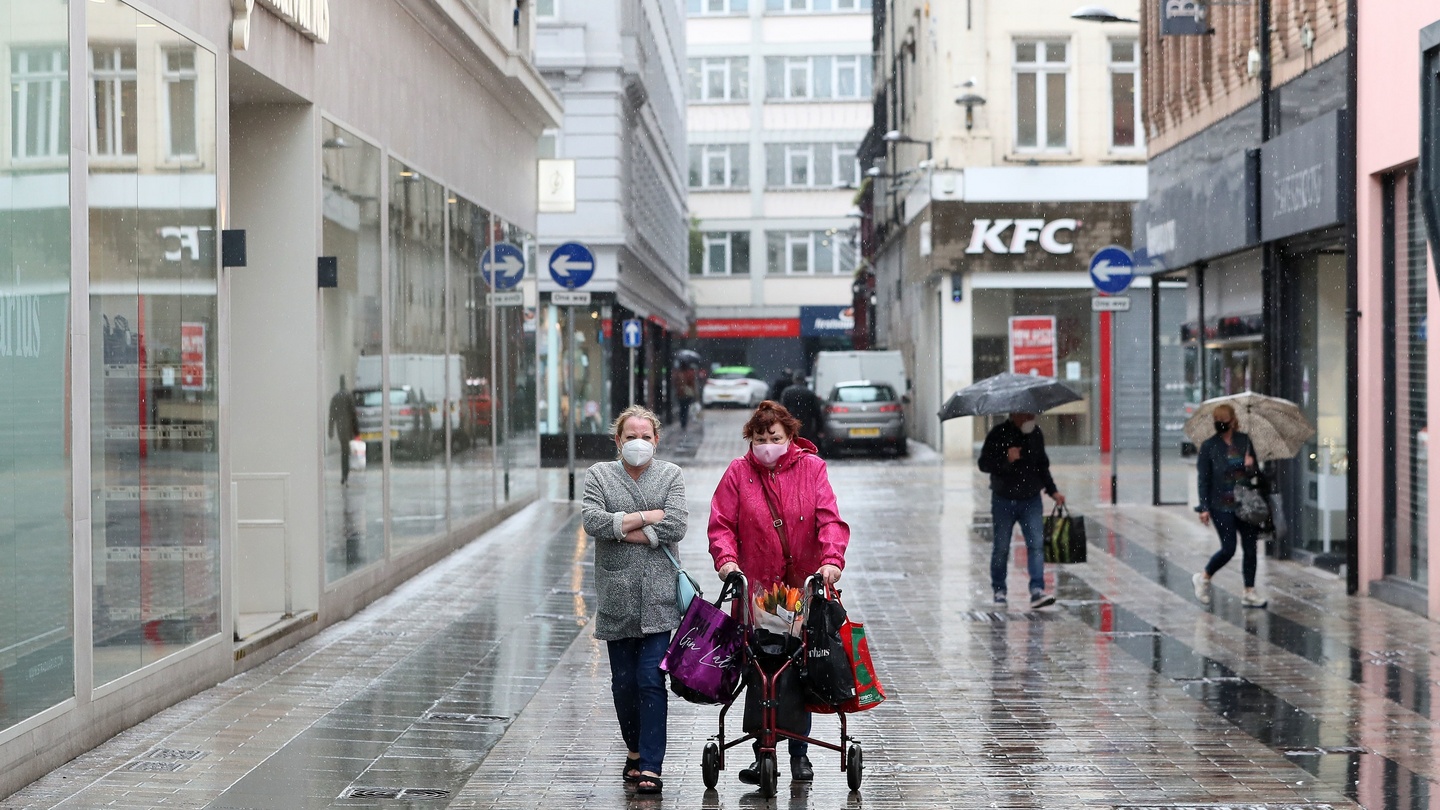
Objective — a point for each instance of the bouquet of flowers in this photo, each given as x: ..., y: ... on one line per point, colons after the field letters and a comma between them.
x: 779, y: 608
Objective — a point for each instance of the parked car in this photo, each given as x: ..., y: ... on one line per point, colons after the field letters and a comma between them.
x: 864, y: 415
x: 410, y: 423
x: 734, y: 385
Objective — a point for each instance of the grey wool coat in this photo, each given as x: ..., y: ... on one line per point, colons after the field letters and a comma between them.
x: 635, y: 583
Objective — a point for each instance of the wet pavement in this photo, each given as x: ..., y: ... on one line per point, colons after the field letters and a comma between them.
x: 478, y: 685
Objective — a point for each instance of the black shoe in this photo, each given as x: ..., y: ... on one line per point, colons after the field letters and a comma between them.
x: 750, y: 775
x: 800, y: 769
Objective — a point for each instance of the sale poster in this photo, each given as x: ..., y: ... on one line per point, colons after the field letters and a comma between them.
x: 192, y: 356
x: 1032, y: 345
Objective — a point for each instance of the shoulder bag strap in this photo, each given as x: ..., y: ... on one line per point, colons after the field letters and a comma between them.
x: 779, y: 524
x: 671, y: 555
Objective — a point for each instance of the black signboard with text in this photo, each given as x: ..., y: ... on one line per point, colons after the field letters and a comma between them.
x: 1183, y: 18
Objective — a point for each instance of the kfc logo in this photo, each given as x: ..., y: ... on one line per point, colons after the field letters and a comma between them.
x: 988, y: 236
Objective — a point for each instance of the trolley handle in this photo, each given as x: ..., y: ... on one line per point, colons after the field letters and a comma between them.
x: 738, y: 587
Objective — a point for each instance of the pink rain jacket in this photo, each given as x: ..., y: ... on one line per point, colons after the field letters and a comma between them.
x: 742, y: 530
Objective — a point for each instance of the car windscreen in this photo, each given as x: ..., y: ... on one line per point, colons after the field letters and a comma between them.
x: 371, y: 399
x: 863, y: 393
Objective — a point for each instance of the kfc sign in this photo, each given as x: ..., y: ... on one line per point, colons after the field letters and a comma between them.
x: 988, y: 236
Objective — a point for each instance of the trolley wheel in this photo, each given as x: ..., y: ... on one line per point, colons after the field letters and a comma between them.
x: 710, y: 765
x: 768, y: 775
x: 854, y: 766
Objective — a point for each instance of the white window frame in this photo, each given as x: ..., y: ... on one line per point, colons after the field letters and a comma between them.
x: 853, y: 180
x: 847, y: 5
x: 554, y: 10
x: 835, y: 68
x: 792, y: 63
x: 116, y: 77
x: 51, y: 82
x: 712, y: 240
x: 714, y: 151
x: 1042, y: 68
x: 170, y: 78
x: 706, y: 11
x: 795, y: 239
x: 799, y: 151
x: 797, y: 6
x: 1131, y: 67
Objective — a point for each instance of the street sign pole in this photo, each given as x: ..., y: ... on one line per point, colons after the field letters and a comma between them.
x: 1112, y: 269
x: 570, y: 396
x: 503, y: 399
x: 1114, y: 422
x: 571, y: 266
x: 632, y: 376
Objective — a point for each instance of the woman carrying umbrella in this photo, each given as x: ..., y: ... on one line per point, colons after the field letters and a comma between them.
x: 1226, y: 459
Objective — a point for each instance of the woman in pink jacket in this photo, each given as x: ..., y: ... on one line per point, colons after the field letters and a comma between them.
x: 783, y: 472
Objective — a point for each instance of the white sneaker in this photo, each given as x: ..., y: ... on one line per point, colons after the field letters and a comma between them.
x: 1202, y: 588
x: 1251, y: 599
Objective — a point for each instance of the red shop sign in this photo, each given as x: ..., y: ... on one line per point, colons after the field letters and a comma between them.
x: 1032, y: 345
x: 192, y: 356
x: 747, y: 327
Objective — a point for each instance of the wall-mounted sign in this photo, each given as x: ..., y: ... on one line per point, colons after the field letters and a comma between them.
x: 1183, y: 18
x: 827, y: 321
x: 989, y: 236
x: 747, y: 327
x: 1300, y: 179
x: 1032, y: 345
x: 556, y: 186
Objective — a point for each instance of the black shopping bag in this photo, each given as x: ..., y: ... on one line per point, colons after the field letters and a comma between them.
x: 1064, y: 537
x: 773, y: 650
x: 827, y: 675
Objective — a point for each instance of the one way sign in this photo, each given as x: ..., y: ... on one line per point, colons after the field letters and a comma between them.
x: 633, y: 333
x: 1112, y: 269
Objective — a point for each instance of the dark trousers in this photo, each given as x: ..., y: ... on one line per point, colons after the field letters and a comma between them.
x: 685, y: 403
x: 641, y: 703
x: 344, y: 459
x: 1228, y: 526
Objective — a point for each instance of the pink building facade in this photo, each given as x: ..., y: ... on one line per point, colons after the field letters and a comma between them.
x: 1399, y: 477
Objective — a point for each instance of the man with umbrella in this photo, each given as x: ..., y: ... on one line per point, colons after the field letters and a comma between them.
x: 1014, y: 456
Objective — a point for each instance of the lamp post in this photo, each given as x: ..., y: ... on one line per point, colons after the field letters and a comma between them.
x: 970, y: 101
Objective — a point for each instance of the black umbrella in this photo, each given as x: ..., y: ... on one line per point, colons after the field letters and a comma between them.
x: 1008, y: 393
x: 688, y: 357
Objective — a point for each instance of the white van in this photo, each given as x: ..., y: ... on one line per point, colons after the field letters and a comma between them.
x: 833, y: 368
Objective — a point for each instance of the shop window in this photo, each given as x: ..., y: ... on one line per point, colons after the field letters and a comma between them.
x: 180, y: 84
x: 155, y: 484
x: 37, y: 588
x: 1042, y: 70
x: 1125, y: 130
x: 114, y: 112
x: 39, y: 102
x: 1406, y: 352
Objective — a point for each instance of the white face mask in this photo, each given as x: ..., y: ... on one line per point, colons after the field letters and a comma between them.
x: 1028, y: 427
x: 768, y: 454
x: 637, y: 452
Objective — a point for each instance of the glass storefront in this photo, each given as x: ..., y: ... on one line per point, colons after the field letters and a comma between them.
x: 472, y: 470
x: 517, y: 406
x: 592, y: 385
x: 1073, y: 356
x: 36, y: 576
x: 351, y: 341
x: 1407, y: 352
x: 154, y: 396
x: 1318, y: 298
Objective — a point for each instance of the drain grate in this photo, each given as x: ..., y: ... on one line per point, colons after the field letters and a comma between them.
x: 1000, y: 616
x: 1323, y: 750
x: 1212, y: 680
x: 1058, y: 767
x: 1224, y: 807
x: 156, y: 767
x: 395, y: 793
x: 461, y: 717
x: 1132, y: 633
x: 174, y: 754
x: 558, y: 617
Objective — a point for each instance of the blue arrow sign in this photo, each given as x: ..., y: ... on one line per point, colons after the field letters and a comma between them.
x: 571, y: 265
x: 503, y: 265
x: 633, y: 333
x: 1112, y: 269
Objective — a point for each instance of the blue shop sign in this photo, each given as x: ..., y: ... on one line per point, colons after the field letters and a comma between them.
x: 827, y: 321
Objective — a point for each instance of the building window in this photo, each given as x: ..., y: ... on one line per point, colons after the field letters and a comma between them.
x: 1042, y: 71
x: 815, y: 6
x: 720, y: 254
x: 811, y: 165
x: 547, y: 9
x: 708, y: 7
x: 719, y: 166
x: 180, y: 83
x: 1125, y: 130
x: 719, y: 79
x: 817, y: 77
x: 38, y: 103
x: 808, y: 253
x: 113, y: 115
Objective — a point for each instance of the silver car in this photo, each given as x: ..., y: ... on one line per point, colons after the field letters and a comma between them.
x: 862, y: 414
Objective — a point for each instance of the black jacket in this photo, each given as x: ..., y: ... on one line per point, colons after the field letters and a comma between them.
x: 1216, y: 489
x: 1019, y: 480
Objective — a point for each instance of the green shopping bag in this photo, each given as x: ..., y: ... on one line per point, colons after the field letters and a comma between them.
x: 1064, y: 537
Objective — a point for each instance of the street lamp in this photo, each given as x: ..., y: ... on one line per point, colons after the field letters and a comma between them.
x: 895, y: 136
x: 971, y: 101
x: 1099, y: 14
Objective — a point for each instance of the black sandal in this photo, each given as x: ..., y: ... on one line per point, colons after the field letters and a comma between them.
x: 631, y: 772
x: 649, y: 784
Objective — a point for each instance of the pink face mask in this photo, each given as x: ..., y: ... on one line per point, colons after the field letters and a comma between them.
x: 768, y: 454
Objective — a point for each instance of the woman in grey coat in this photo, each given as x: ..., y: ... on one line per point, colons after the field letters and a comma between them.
x: 633, y: 508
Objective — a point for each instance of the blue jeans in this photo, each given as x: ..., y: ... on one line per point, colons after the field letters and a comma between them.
x: 1227, y: 526
x: 641, y: 703
x: 1030, y: 514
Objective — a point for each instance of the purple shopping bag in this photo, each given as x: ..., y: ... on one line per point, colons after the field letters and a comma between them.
x: 704, y: 656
